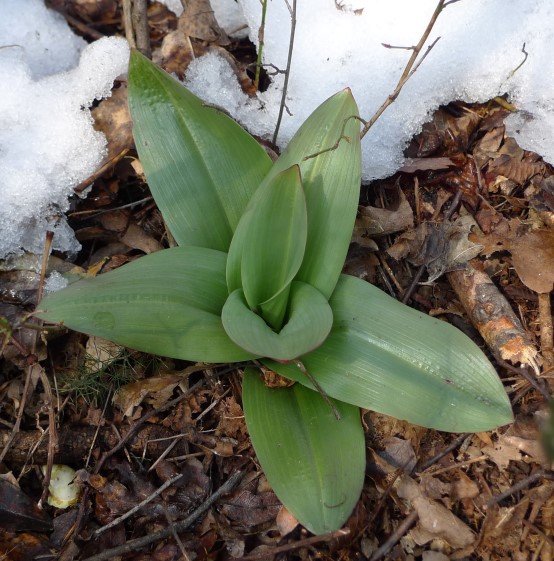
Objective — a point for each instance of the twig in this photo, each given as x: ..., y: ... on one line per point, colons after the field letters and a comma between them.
x: 547, y: 328
x: 140, y: 26
x: 511, y: 74
x: 136, y: 508
x: 452, y: 446
x: 537, y: 530
x: 410, y: 69
x: 121, y: 444
x: 139, y: 543
x: 92, y: 178
x: 287, y: 73
x: 271, y: 552
x: 320, y: 390
x: 128, y: 23
x: 261, y: 32
x: 519, y: 486
x: 537, y: 383
x: 403, y: 527
x: 53, y: 444
x: 15, y: 429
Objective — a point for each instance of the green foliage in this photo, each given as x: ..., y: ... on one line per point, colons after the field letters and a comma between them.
x: 258, y: 274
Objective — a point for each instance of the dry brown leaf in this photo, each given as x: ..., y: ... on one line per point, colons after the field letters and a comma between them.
x: 441, y: 247
x: 250, y: 510
x: 532, y: 255
x: 426, y: 164
x: 285, y: 521
x: 373, y: 221
x: 156, y: 390
x: 176, y: 53
x: 399, y: 453
x: 198, y: 20
x: 517, y: 170
x: 100, y: 353
x: 435, y: 521
x: 112, y: 117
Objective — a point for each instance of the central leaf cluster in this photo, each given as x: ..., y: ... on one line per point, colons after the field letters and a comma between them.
x: 268, y: 312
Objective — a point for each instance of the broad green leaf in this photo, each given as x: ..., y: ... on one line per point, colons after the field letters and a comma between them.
x: 387, y: 357
x: 272, y: 235
x: 309, y: 322
x: 201, y: 166
x: 167, y: 303
x: 314, y: 463
x: 331, y: 184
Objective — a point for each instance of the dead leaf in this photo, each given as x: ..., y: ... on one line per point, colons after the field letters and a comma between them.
x: 156, y: 390
x: 100, y: 353
x: 518, y: 171
x: 441, y: 247
x: 373, y: 221
x: 198, y: 20
x: 18, y: 512
x: 426, y: 164
x: 175, y: 53
x: 285, y: 521
x: 112, y: 117
x: 435, y: 521
x: 399, y: 453
x: 532, y: 255
x: 250, y: 510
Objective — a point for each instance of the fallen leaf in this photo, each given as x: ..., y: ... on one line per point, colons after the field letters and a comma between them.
x: 373, y: 221
x: 112, y: 117
x: 157, y: 389
x: 441, y: 247
x: 250, y: 510
x: 198, y: 20
x: 426, y: 164
x: 434, y: 520
x: 18, y: 512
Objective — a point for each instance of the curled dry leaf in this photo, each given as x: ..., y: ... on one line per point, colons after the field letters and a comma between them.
x: 111, y: 116
x: 426, y: 164
x: 156, y: 390
x: 373, y: 222
x: 198, y: 20
x: 441, y: 247
x: 435, y: 521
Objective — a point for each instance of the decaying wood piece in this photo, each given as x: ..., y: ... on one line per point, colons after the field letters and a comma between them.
x: 493, y: 316
x: 74, y: 444
x: 547, y: 330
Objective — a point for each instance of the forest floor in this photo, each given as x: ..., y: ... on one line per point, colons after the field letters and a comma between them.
x: 130, y: 423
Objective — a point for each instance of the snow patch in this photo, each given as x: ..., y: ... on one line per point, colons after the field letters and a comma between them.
x: 47, y: 141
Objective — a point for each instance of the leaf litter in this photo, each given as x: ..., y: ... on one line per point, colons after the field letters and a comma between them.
x: 456, y: 491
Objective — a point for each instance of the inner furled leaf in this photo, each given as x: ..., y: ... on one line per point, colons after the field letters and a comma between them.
x: 166, y: 303
x: 198, y: 162
x: 268, y: 246
x: 384, y: 356
x: 331, y: 183
x: 309, y: 322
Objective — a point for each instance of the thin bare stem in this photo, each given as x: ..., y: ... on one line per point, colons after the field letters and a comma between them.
x: 287, y: 73
x: 410, y: 68
x: 261, y: 32
x: 136, y: 508
x: 318, y: 388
